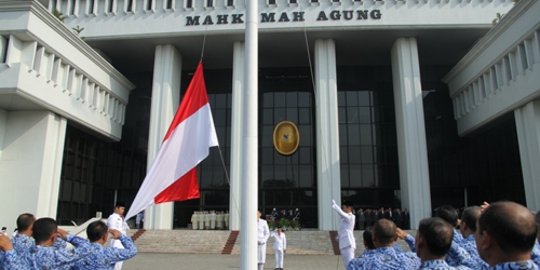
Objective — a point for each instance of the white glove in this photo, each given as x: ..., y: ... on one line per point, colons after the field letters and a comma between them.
x: 334, y: 202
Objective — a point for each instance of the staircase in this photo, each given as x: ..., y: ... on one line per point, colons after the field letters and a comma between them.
x: 304, y: 242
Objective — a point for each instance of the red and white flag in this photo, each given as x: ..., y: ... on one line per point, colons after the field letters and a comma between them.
x: 173, y: 174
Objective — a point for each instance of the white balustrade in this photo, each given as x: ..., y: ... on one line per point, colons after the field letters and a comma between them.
x: 39, y: 61
x: 506, y: 68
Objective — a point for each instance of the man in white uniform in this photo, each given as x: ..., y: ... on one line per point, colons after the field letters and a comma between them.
x: 280, y: 246
x: 263, y: 233
x: 347, y: 243
x: 116, y: 221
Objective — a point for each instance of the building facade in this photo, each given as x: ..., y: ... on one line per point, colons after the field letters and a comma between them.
x: 399, y: 103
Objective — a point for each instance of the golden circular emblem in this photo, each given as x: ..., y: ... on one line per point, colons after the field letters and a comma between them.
x: 286, y: 138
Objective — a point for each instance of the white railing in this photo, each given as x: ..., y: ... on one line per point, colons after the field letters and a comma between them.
x: 495, y: 78
x: 78, y: 229
x: 79, y: 8
x: 59, y: 73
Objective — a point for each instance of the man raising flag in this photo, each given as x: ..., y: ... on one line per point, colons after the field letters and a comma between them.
x: 173, y: 174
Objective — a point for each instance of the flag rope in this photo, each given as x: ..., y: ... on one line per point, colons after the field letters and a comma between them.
x: 235, y: 201
x: 203, y: 45
x: 331, y: 188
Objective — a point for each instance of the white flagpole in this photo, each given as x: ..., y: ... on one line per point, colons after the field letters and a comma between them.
x: 249, y: 180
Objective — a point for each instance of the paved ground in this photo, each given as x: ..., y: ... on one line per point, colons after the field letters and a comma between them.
x: 160, y: 261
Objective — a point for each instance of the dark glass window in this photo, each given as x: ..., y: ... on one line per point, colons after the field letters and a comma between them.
x: 288, y: 182
x: 213, y: 181
x: 367, y: 137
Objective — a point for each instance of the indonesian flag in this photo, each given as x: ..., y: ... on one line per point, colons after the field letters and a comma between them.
x: 173, y: 174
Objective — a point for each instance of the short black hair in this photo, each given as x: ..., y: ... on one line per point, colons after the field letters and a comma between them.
x: 96, y: 230
x: 346, y: 203
x: 511, y: 225
x: 24, y: 221
x: 119, y: 204
x: 437, y: 234
x: 384, y: 231
x: 470, y: 216
x: 448, y: 213
x: 43, y: 229
x: 368, y: 238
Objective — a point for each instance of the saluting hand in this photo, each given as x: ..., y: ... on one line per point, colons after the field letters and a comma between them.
x: 62, y: 233
x: 5, y: 243
x: 115, y: 233
x: 401, y: 234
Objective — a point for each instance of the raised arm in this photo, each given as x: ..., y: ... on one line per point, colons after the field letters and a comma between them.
x: 114, y: 254
x: 339, y: 211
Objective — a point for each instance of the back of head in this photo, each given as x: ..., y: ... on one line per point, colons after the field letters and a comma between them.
x: 346, y: 203
x: 368, y: 238
x: 448, y: 213
x: 537, y: 219
x: 437, y: 235
x: 384, y: 232
x: 470, y: 216
x: 25, y: 221
x: 96, y: 230
x: 43, y: 229
x: 511, y: 225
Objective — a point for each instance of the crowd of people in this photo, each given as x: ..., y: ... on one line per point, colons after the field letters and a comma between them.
x: 286, y: 219
x: 500, y: 236
x: 210, y: 220
x: 40, y: 244
x: 367, y: 217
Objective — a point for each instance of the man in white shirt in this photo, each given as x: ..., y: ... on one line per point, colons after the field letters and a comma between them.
x: 347, y: 242
x: 280, y: 246
x: 263, y: 233
x: 116, y: 221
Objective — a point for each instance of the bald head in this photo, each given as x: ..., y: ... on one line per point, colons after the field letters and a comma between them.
x: 511, y: 225
x: 384, y: 233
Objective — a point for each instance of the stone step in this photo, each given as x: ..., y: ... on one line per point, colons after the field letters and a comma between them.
x: 305, y: 242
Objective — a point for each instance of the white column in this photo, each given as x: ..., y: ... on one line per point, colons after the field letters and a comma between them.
x: 236, y: 136
x: 30, y: 163
x: 528, y: 132
x: 165, y: 101
x: 3, y: 128
x: 327, y: 126
x: 250, y: 138
x: 411, y: 135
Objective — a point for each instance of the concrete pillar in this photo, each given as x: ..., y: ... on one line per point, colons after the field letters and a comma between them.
x: 236, y: 135
x: 528, y: 132
x: 326, y: 120
x: 165, y: 101
x: 411, y: 134
x: 32, y: 149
